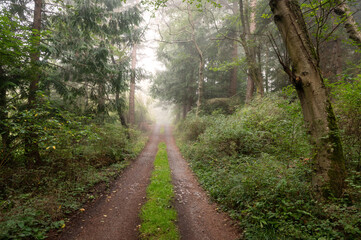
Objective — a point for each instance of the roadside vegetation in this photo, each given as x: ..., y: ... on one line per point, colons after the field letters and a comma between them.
x: 77, y: 156
x: 158, y: 215
x: 257, y: 164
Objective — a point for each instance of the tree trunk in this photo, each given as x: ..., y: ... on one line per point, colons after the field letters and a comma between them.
x: 329, y: 164
x: 353, y: 31
x: 249, y: 90
x: 184, y: 114
x: 201, y: 64
x: 250, y: 49
x: 101, y: 102
x: 5, y: 133
x: 120, y: 109
x: 233, y: 82
x: 200, y: 83
x: 31, y: 140
x: 266, y: 68
x: 337, y: 58
x: 132, y: 87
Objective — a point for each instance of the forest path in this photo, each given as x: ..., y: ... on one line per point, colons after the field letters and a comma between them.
x: 115, y: 216
x: 198, y: 219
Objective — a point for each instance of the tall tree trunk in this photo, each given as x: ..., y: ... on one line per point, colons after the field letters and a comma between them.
x: 250, y: 48
x: 337, y: 58
x: 184, y: 114
x: 250, y: 89
x: 31, y: 144
x: 233, y: 82
x: 329, y: 164
x: 132, y: 87
x: 266, y: 68
x: 353, y: 31
x: 200, y: 82
x: 4, y: 129
x: 101, y: 101
x: 120, y: 109
x: 201, y: 64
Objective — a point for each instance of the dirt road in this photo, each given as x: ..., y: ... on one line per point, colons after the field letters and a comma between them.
x: 116, y: 215
x: 198, y: 219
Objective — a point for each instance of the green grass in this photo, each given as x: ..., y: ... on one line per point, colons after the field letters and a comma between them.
x: 158, y: 216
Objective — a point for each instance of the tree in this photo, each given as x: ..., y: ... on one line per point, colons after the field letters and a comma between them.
x: 31, y: 145
x: 343, y: 10
x: 329, y: 165
x: 132, y: 86
x: 248, y: 42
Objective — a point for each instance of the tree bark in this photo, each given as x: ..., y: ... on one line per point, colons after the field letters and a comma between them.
x: 233, y: 81
x: 329, y: 164
x: 250, y: 49
x: 4, y: 129
x: 250, y: 89
x: 120, y: 109
x: 200, y: 82
x: 31, y: 140
x: 132, y: 87
x: 343, y: 10
x: 101, y: 101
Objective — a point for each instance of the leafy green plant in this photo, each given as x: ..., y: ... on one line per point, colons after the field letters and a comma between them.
x: 32, y: 201
x: 256, y: 164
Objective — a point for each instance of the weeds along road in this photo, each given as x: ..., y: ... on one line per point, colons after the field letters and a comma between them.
x: 116, y: 215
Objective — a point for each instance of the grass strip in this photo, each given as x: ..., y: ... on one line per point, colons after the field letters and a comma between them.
x: 158, y: 215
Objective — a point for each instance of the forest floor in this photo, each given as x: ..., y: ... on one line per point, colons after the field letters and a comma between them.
x: 115, y: 215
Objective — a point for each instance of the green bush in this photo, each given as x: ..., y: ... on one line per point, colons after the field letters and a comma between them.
x: 32, y: 201
x: 347, y: 104
x: 256, y: 165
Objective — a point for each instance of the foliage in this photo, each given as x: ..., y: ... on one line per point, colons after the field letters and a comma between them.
x: 32, y: 201
x: 158, y: 216
x: 347, y: 98
x: 256, y: 165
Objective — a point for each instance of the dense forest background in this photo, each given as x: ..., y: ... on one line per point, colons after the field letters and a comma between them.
x: 266, y: 97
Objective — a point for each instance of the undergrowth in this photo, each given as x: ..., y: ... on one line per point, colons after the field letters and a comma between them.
x: 35, y: 200
x: 256, y: 164
x: 158, y: 215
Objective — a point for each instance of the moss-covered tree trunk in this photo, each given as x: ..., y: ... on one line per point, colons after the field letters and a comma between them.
x: 328, y: 159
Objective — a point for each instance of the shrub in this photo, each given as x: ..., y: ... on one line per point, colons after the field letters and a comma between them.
x: 256, y: 165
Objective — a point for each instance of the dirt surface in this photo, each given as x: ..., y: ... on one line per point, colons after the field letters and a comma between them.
x: 116, y: 215
x: 198, y: 219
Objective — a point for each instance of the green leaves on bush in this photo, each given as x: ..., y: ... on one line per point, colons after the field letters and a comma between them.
x: 256, y: 165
